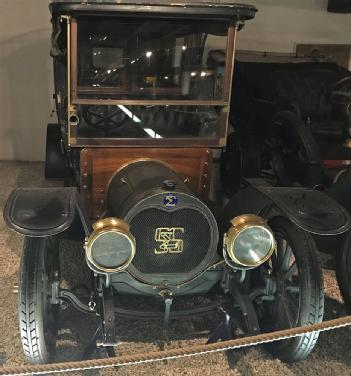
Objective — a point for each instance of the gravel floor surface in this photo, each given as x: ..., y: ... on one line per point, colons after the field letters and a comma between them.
x: 332, y: 355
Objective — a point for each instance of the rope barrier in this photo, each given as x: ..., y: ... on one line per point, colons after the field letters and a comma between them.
x: 156, y: 356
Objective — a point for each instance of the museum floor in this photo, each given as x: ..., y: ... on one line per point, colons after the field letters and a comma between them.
x: 331, y: 357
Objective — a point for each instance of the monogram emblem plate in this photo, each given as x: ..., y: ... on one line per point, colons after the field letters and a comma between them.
x: 169, y: 240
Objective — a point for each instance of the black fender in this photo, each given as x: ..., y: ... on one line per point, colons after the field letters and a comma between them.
x: 311, y: 210
x: 340, y: 192
x: 40, y: 212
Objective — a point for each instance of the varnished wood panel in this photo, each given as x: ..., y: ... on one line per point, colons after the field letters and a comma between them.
x: 99, y: 164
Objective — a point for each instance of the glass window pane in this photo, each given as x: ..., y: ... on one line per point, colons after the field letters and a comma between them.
x: 149, y: 122
x: 145, y: 58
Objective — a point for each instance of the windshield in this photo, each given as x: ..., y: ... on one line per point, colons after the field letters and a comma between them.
x: 138, y: 58
x: 149, y: 122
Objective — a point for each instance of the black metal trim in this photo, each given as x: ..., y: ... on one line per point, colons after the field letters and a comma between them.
x: 76, y: 302
x: 158, y: 315
x: 108, y: 324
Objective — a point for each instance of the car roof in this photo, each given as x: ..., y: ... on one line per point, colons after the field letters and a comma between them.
x: 224, y: 10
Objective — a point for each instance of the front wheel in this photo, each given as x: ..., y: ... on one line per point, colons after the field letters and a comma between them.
x: 37, y: 316
x: 296, y: 290
x: 343, y: 270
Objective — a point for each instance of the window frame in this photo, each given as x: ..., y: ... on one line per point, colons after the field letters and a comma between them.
x: 74, y: 102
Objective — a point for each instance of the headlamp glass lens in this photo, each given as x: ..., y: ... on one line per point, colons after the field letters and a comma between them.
x: 252, y: 245
x: 111, y: 250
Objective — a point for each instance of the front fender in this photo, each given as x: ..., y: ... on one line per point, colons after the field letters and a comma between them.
x: 40, y: 212
x: 311, y: 210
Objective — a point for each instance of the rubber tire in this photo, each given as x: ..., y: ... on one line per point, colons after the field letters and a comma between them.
x: 37, y: 349
x: 343, y: 270
x: 312, y: 293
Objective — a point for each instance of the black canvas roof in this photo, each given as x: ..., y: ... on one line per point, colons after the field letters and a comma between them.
x: 161, y: 7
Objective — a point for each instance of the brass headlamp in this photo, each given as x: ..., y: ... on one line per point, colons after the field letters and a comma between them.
x: 111, y: 247
x: 249, y: 242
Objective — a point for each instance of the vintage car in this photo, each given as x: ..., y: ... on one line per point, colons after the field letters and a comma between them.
x: 143, y: 95
x: 292, y: 126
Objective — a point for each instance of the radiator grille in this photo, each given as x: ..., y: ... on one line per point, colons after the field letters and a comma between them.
x: 153, y: 257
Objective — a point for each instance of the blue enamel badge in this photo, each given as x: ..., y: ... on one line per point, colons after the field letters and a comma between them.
x: 170, y: 201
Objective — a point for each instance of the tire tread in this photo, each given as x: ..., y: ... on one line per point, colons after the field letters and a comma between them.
x: 32, y: 343
x: 301, y: 347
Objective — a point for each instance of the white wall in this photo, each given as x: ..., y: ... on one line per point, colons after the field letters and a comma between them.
x: 25, y: 78
x: 26, y: 67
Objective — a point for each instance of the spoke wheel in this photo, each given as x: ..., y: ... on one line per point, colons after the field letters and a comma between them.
x: 285, y: 272
x: 37, y: 316
x: 296, y: 288
x: 343, y: 270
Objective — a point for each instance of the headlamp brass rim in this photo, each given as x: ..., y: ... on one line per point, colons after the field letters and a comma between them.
x: 240, y: 224
x: 101, y: 230
x: 248, y: 219
x: 111, y: 223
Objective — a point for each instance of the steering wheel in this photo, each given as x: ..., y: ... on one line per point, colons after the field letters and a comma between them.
x: 340, y: 91
x: 103, y: 117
